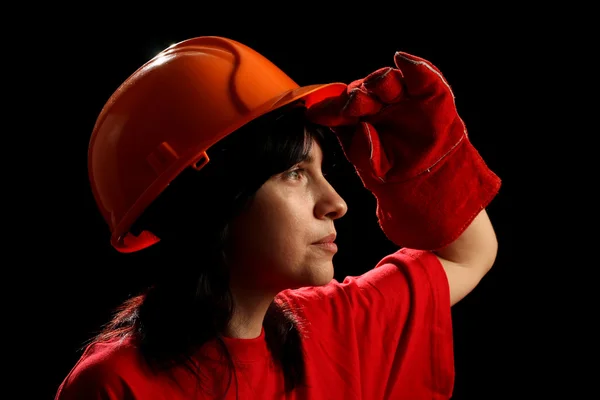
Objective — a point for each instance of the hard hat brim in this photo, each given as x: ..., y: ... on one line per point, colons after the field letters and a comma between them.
x: 309, y: 94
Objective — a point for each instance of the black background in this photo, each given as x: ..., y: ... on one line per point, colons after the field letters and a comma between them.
x: 85, y: 58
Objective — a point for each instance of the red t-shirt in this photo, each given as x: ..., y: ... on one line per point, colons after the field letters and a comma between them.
x: 386, y: 334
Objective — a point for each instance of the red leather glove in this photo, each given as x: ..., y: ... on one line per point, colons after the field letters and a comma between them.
x: 400, y: 129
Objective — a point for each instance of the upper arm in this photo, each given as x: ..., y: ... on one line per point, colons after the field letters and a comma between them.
x: 469, y: 258
x: 461, y: 279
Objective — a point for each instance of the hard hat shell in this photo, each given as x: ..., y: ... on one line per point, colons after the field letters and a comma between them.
x: 169, y: 112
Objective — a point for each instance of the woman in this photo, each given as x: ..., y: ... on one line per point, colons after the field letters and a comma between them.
x: 244, y: 304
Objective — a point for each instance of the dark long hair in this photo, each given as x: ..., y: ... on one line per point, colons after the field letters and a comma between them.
x: 189, y: 302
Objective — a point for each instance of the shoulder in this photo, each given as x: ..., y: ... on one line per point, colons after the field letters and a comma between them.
x: 397, y: 283
x: 405, y: 267
x: 104, y: 370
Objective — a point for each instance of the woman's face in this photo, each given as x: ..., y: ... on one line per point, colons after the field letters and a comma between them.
x: 285, y: 239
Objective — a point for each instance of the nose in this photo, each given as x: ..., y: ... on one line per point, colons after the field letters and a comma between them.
x: 330, y: 204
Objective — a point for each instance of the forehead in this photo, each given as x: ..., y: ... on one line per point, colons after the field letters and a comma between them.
x: 315, y: 154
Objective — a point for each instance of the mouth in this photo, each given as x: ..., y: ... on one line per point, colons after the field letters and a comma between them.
x: 327, y: 243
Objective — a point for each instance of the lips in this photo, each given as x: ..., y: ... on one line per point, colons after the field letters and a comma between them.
x: 327, y: 239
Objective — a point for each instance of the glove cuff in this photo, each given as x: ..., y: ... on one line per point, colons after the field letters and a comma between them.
x: 433, y: 209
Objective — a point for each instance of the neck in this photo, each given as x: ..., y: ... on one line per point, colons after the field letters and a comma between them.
x: 250, y: 308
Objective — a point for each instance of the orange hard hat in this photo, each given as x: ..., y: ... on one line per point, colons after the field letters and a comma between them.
x: 169, y: 112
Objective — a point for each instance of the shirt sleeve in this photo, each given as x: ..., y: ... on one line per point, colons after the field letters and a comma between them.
x: 94, y: 377
x: 392, y: 324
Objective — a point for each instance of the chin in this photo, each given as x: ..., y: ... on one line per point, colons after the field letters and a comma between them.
x: 313, y: 274
x: 321, y: 275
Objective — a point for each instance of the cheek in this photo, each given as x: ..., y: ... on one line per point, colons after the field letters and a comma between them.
x: 278, y: 239
x: 268, y: 238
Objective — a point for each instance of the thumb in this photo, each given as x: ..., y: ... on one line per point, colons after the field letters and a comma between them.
x: 420, y: 76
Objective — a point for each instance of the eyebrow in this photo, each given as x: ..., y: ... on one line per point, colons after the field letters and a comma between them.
x: 309, y: 159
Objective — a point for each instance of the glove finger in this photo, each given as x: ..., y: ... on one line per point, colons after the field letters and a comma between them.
x: 329, y: 112
x: 378, y: 162
x: 361, y: 104
x: 420, y: 76
x: 386, y: 84
x: 354, y: 84
x: 363, y: 148
x: 357, y: 147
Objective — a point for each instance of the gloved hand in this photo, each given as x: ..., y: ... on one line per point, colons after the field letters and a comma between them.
x: 400, y: 129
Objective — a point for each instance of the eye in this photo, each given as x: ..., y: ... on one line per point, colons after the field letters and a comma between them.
x: 294, y: 174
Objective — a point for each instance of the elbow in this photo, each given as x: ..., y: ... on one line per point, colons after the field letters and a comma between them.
x: 476, y: 248
x: 489, y: 255
x: 486, y: 253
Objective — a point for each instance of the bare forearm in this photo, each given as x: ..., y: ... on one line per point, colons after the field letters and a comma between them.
x: 477, y: 246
